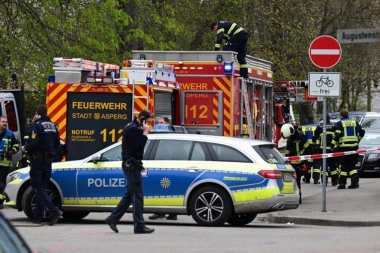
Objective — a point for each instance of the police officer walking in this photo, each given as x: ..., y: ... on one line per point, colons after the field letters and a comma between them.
x: 133, y: 143
x: 308, y: 130
x: 331, y: 162
x: 8, y: 147
x: 42, y: 146
x: 296, y: 144
x: 236, y: 39
x: 348, y: 133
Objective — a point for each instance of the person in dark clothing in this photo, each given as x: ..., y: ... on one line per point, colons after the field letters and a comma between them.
x: 308, y: 130
x: 348, y: 134
x: 42, y: 146
x: 297, y: 144
x: 62, y: 152
x: 8, y: 147
x: 331, y: 162
x: 133, y: 143
x: 235, y: 38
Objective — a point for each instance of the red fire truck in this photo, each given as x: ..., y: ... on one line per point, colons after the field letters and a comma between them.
x: 212, y: 92
x: 91, y: 104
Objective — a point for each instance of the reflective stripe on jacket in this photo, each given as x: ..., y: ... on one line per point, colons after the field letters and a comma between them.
x: 226, y: 30
x: 348, y: 134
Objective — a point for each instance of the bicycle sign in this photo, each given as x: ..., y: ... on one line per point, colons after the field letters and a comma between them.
x: 324, y: 84
x: 324, y: 80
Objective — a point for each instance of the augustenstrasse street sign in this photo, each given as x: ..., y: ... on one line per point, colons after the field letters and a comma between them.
x: 324, y: 84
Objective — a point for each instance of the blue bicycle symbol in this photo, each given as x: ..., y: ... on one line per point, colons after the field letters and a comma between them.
x: 324, y: 80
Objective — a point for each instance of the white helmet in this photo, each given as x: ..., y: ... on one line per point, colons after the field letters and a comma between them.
x: 287, y: 130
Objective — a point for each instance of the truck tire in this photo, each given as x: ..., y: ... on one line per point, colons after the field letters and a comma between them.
x: 74, y: 215
x: 239, y: 220
x: 210, y: 206
x: 29, y: 201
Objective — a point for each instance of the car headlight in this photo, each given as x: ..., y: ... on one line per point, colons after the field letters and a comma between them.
x: 12, y: 176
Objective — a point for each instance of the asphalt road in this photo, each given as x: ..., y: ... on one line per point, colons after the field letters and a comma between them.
x: 92, y: 235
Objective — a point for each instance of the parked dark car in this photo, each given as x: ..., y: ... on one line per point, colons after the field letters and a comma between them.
x: 369, y: 162
x: 371, y: 121
x: 358, y: 116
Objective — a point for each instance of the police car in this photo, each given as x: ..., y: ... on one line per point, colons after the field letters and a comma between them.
x: 214, y: 179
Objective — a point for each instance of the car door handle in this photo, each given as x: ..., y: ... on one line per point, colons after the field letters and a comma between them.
x: 192, y: 169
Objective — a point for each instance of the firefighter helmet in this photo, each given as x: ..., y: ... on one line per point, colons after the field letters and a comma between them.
x: 287, y: 130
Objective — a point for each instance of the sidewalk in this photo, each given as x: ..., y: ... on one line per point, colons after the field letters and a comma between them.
x: 349, y: 207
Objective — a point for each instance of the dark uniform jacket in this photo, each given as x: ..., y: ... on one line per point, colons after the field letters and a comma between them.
x: 226, y: 30
x: 43, y: 138
x: 318, y: 137
x: 296, y: 145
x: 133, y: 141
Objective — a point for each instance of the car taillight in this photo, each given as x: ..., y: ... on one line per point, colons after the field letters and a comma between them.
x: 271, y: 174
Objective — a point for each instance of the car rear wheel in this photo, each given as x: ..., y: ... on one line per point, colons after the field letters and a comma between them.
x: 74, y: 215
x: 210, y: 206
x: 29, y: 201
x: 241, y: 219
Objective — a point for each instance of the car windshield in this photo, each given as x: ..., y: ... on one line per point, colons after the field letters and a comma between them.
x: 371, y: 123
x: 370, y: 139
x: 269, y: 154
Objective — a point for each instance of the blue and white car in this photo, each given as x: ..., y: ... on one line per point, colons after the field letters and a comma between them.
x: 214, y: 179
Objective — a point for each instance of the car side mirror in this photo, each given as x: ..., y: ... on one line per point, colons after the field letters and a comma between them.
x: 95, y: 159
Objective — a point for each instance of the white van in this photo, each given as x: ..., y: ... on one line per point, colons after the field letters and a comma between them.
x: 12, y: 106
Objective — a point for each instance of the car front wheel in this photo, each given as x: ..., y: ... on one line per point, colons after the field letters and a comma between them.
x: 210, y: 206
x: 29, y: 201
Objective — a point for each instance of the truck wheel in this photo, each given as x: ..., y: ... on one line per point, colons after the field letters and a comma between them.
x: 29, y: 201
x: 210, y: 206
x: 239, y: 220
x: 74, y: 215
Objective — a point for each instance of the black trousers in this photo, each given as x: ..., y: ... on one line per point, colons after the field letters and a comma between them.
x: 238, y: 43
x: 3, y: 178
x: 40, y: 173
x: 347, y: 168
x: 133, y: 195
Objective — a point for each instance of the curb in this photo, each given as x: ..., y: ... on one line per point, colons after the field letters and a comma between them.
x: 318, y: 222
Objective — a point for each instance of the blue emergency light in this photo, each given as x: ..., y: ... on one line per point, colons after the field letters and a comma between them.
x: 228, y: 67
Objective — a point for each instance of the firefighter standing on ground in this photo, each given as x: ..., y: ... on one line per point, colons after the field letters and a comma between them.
x: 308, y: 130
x: 236, y: 39
x: 8, y: 147
x: 331, y: 162
x: 348, y: 133
x: 297, y: 144
x: 42, y: 146
x: 133, y: 143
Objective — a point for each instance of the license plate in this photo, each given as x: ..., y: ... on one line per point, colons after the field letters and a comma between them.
x: 287, y: 177
x: 372, y: 156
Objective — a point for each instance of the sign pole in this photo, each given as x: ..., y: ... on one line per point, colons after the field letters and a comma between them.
x: 324, y: 152
x: 325, y: 52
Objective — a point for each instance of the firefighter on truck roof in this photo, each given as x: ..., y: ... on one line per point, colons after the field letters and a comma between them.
x: 236, y: 40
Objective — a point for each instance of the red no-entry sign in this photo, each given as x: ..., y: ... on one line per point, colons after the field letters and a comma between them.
x: 325, y: 51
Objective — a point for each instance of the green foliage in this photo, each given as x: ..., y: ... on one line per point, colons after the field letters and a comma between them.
x: 33, y: 32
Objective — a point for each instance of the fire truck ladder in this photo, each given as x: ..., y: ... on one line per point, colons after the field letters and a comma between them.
x: 244, y: 93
